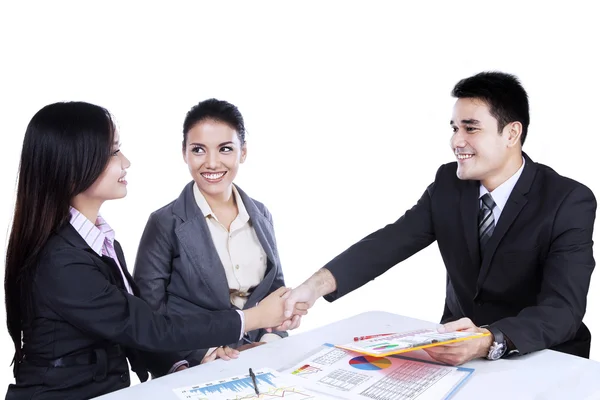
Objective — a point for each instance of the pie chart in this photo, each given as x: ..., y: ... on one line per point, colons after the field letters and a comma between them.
x: 369, y: 363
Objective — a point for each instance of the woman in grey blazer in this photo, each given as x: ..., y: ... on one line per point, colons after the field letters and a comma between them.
x: 213, y: 248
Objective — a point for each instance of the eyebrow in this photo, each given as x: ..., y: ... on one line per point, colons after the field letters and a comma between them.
x: 203, y: 145
x: 467, y: 122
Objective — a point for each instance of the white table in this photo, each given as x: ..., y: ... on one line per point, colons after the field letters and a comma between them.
x: 542, y: 375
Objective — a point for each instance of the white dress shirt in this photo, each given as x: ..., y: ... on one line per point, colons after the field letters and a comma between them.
x: 501, y: 193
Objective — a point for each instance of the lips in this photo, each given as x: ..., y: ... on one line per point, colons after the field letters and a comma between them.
x: 213, y: 177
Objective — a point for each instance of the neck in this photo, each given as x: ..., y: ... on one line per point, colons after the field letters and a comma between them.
x: 88, y: 207
x: 220, y: 200
x: 508, y: 170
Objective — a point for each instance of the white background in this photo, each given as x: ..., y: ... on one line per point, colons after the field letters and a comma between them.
x: 347, y: 107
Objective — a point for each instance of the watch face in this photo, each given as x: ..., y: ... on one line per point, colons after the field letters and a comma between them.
x: 496, y: 351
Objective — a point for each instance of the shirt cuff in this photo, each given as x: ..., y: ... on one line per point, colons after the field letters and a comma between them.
x: 177, y: 365
x: 270, y: 337
x: 243, y: 320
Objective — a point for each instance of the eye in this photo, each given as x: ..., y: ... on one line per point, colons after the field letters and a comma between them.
x: 197, y: 150
x: 226, y: 149
x: 116, y: 152
x: 470, y: 129
x: 454, y: 129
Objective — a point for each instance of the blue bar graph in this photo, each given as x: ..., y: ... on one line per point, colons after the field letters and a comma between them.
x: 236, y: 385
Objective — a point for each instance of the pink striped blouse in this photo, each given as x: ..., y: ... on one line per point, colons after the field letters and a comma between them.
x: 99, y: 236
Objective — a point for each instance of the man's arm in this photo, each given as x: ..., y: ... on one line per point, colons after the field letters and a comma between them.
x: 568, y: 267
x: 370, y: 257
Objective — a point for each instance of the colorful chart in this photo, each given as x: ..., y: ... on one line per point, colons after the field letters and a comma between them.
x: 306, y: 370
x: 368, y: 363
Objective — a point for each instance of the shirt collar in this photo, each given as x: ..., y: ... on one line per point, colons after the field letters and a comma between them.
x: 93, y: 234
x: 207, y: 211
x: 502, y: 192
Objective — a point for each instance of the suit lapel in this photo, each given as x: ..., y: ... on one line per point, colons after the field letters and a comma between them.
x: 266, y: 237
x: 515, y: 203
x: 196, y: 240
x: 74, y: 238
x: 121, y: 258
x: 469, y: 207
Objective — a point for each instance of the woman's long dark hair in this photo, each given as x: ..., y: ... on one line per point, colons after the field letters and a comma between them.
x: 66, y: 148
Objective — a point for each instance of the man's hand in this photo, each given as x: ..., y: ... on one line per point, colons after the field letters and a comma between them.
x: 269, y: 312
x: 461, y: 352
x: 224, y: 353
x: 291, y: 323
x: 304, y: 293
x: 320, y: 284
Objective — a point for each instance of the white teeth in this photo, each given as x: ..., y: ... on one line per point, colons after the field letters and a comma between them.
x: 213, y: 176
x: 464, y: 156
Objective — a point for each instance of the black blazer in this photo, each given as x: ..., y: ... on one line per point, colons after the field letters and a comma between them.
x: 532, y: 282
x: 82, y: 308
x: 178, y: 269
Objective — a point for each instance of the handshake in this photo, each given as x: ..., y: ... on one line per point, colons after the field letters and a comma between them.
x: 283, y: 309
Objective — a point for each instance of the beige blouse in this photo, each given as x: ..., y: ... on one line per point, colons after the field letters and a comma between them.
x: 241, y: 254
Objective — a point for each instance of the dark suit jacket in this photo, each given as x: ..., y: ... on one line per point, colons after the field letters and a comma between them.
x: 178, y: 269
x: 81, y: 305
x: 532, y: 282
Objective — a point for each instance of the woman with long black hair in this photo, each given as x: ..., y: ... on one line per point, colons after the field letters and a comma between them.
x: 72, y: 307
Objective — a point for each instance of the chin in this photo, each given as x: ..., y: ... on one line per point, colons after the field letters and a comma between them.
x: 462, y: 175
x: 467, y: 175
x: 121, y: 194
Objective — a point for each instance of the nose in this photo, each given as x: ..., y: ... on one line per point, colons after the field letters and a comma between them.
x: 125, y: 163
x: 458, y: 140
x: 212, y: 160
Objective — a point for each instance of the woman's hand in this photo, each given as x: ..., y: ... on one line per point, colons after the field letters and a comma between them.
x: 224, y: 353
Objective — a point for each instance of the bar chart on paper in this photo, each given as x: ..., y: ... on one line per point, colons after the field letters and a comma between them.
x: 269, y: 382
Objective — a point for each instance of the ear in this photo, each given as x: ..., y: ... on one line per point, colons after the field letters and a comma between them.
x: 513, y: 132
x: 243, y: 153
x: 183, y: 153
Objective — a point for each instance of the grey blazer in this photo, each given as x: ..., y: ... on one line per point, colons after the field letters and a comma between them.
x: 178, y: 270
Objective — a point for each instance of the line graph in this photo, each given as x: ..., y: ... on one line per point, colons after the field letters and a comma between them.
x: 270, y: 384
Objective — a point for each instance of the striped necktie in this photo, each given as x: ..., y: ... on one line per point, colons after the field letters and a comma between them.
x: 486, y: 221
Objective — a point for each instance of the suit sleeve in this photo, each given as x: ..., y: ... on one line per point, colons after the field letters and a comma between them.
x: 72, y: 285
x: 381, y: 250
x: 153, y: 264
x: 568, y: 267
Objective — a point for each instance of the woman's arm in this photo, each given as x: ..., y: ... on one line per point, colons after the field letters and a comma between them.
x: 74, y: 287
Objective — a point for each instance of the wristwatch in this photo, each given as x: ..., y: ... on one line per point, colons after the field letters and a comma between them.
x: 499, y: 346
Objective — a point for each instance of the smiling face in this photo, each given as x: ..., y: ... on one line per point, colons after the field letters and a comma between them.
x: 111, y: 184
x: 213, y: 154
x: 483, y: 152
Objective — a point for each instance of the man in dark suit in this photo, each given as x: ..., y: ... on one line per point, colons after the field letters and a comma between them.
x: 515, y: 236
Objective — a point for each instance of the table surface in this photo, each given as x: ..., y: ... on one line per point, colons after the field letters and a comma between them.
x: 542, y: 375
